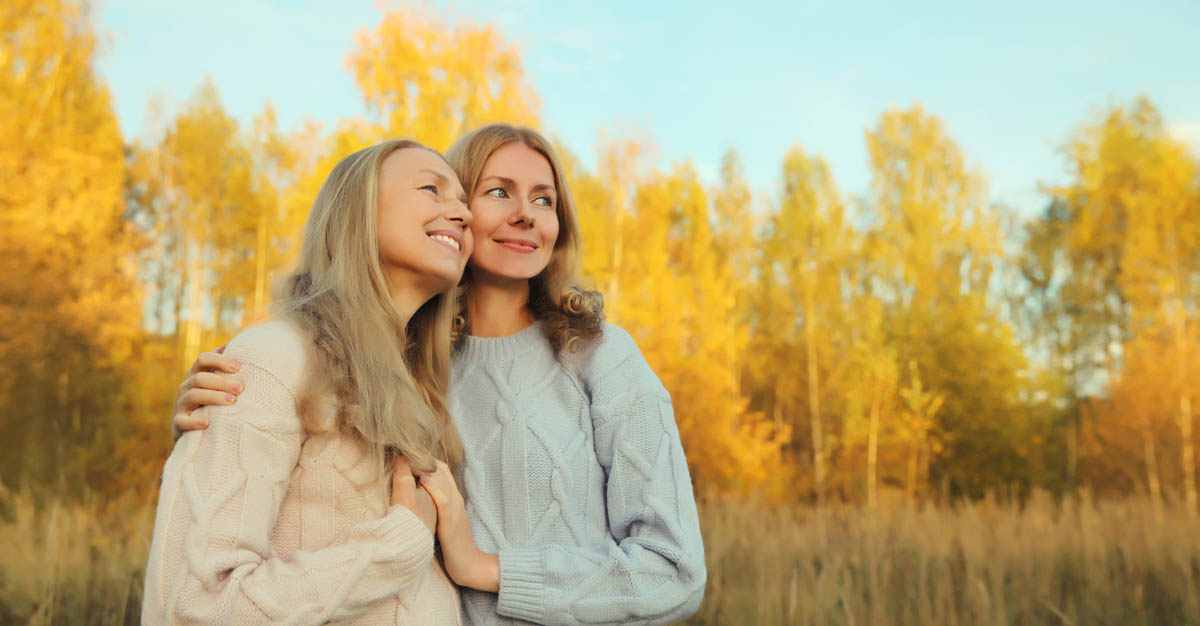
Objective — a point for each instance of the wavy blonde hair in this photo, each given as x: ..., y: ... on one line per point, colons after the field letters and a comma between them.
x: 389, y: 379
x: 573, y: 316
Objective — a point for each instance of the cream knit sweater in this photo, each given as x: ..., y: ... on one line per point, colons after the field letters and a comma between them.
x: 260, y: 522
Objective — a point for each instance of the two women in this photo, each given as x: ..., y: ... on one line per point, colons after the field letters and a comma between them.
x: 579, y: 507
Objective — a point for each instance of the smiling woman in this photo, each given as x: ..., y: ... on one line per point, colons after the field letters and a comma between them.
x: 513, y: 204
x: 418, y: 246
x: 581, y: 507
x: 529, y: 244
x: 281, y: 510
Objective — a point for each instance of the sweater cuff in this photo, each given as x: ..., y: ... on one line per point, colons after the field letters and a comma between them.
x: 403, y: 531
x: 522, y: 585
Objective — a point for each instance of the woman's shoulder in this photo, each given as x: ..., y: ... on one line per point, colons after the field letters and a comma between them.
x: 614, y: 364
x: 613, y: 347
x: 613, y: 338
x: 279, y: 346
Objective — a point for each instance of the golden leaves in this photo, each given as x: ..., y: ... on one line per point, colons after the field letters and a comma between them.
x: 433, y: 82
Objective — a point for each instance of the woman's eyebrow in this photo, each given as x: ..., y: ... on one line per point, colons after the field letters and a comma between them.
x: 440, y: 176
x: 510, y: 183
x: 503, y: 180
x: 462, y: 195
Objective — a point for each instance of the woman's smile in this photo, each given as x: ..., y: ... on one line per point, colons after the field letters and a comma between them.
x: 522, y: 246
x: 447, y: 238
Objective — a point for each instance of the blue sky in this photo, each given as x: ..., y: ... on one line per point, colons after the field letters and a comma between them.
x: 1011, y: 80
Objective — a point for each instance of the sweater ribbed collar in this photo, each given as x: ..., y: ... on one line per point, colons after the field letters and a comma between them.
x: 500, y: 348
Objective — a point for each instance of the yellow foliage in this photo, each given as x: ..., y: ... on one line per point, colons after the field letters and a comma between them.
x: 1131, y: 231
x: 433, y: 83
x: 69, y: 307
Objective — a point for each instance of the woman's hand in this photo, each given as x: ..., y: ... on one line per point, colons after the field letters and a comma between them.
x: 405, y: 492
x: 205, y: 386
x: 208, y: 383
x: 466, y: 564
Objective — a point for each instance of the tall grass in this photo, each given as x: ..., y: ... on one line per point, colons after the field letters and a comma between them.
x: 73, y: 563
x: 1080, y: 562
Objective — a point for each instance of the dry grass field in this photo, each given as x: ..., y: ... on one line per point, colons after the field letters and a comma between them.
x: 1078, y: 562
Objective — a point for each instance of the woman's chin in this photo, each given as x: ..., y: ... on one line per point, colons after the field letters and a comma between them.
x: 508, y: 272
x: 440, y: 280
x: 449, y: 282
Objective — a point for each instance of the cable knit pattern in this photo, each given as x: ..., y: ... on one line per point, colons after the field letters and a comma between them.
x: 258, y: 522
x: 576, y: 477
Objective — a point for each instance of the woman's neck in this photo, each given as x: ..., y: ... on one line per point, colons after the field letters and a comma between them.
x: 407, y: 300
x: 498, y: 309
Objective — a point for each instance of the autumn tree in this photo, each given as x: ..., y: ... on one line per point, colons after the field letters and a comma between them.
x: 873, y: 400
x: 800, y: 328
x: 433, y: 82
x: 1128, y: 244
x: 194, y: 192
x: 934, y: 244
x: 69, y: 304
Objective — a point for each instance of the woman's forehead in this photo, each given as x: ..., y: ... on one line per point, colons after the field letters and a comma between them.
x: 518, y: 162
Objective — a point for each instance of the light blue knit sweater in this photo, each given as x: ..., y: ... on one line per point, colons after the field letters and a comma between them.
x: 575, y: 476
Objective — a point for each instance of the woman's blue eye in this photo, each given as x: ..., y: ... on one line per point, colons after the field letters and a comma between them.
x: 544, y: 201
x: 432, y: 188
x: 498, y: 192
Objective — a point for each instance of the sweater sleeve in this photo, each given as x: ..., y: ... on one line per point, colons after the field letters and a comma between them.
x: 211, y: 556
x: 651, y: 570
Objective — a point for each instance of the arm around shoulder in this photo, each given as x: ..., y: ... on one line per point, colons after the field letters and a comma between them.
x: 211, y: 558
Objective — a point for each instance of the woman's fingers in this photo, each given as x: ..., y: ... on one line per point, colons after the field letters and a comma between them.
x: 426, y: 509
x: 422, y: 497
x: 404, y: 490
x: 193, y: 399
x: 446, y: 478
x: 215, y: 361
x: 184, y: 422
x: 435, y: 490
x: 210, y: 381
x: 441, y: 486
x: 202, y: 387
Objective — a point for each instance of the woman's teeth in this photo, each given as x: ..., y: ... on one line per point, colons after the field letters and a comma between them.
x: 449, y: 241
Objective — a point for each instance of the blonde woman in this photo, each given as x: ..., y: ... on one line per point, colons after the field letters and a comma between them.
x: 281, y: 510
x: 579, y: 507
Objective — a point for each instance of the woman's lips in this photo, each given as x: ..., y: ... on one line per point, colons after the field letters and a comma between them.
x: 448, y: 239
x: 523, y: 247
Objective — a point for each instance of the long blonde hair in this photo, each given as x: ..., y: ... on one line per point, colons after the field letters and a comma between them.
x: 572, y: 315
x: 389, y: 380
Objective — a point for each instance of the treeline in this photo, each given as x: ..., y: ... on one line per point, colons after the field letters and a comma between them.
x: 918, y: 341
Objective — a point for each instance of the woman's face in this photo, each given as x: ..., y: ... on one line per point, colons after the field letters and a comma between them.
x: 514, y: 206
x: 423, y: 221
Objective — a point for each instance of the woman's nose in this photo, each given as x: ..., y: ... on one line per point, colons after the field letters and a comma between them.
x: 523, y: 216
x: 460, y: 213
